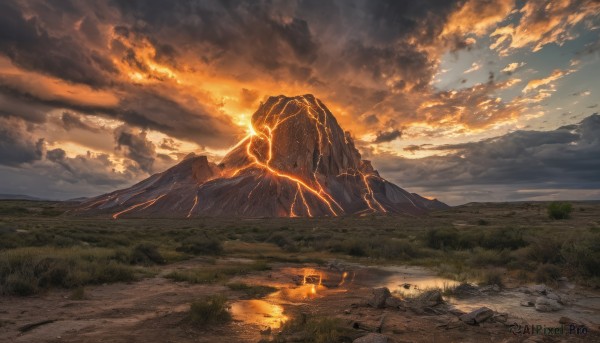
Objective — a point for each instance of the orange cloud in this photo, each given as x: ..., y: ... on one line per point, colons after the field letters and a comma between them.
x: 543, y: 22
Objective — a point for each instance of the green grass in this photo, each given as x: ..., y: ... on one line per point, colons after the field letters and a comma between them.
x: 27, y: 271
x: 560, y: 210
x: 215, y: 274
x: 315, y: 329
x: 518, y: 237
x: 209, y: 310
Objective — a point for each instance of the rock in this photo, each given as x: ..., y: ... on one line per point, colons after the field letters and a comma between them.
x: 541, y: 289
x: 490, y: 289
x: 347, y: 311
x: 544, y: 304
x: 266, y: 331
x: 380, y: 295
x: 554, y: 296
x: 500, y: 317
x: 527, y: 303
x: 478, y: 316
x: 466, y: 289
x: 393, y: 302
x: 431, y: 298
x: 567, y: 321
x: 372, y: 338
x: 406, y: 285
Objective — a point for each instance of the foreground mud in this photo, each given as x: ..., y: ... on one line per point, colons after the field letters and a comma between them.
x: 154, y: 309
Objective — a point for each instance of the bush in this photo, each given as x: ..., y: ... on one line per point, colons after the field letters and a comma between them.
x: 492, y: 277
x: 559, y: 210
x: 442, y: 238
x: 315, y: 329
x: 146, y: 254
x: 547, y: 273
x: 26, y: 271
x: 209, y: 310
x: 202, y: 246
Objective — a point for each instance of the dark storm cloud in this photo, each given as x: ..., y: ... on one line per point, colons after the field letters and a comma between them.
x: 29, y: 45
x: 140, y: 108
x: 17, y: 146
x: 136, y: 147
x: 566, y: 157
x: 71, y: 121
x: 387, y: 136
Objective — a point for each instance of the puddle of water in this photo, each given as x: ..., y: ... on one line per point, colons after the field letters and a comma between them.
x: 414, y: 280
x: 259, y: 312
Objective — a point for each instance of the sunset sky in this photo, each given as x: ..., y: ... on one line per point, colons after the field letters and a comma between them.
x: 459, y: 100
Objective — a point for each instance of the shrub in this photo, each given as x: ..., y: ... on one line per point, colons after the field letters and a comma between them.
x: 559, y: 210
x: 209, y: 310
x: 492, y: 277
x: 442, y: 238
x: 547, y: 273
x: 315, y: 329
x: 202, y: 246
x: 26, y: 271
x: 146, y: 254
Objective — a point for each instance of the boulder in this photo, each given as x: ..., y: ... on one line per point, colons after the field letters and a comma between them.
x: 465, y: 290
x: 527, y: 303
x: 478, y: 316
x: 431, y: 298
x: 380, y: 295
x: 393, y: 302
x: 372, y: 338
x: 544, y: 304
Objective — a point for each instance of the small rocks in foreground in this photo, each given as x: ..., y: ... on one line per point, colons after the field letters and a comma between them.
x: 372, y: 338
x: 478, y: 316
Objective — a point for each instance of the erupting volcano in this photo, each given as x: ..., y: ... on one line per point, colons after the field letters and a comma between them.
x: 296, y: 161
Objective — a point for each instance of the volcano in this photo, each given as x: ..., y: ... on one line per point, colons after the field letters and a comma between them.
x: 296, y: 162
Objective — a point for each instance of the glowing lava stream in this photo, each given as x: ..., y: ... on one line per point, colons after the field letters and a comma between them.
x: 193, y: 206
x: 267, y: 135
x: 147, y: 203
x: 369, y: 191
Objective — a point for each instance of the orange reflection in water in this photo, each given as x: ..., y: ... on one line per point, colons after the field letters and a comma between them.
x: 259, y: 312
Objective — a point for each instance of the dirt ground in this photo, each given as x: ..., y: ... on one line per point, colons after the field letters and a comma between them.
x: 154, y: 310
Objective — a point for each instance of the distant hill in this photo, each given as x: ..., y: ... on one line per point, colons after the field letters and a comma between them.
x: 19, y: 197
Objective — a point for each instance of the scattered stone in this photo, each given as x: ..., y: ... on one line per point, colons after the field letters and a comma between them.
x: 393, y: 302
x: 500, y: 317
x: 541, y: 289
x: 554, y: 296
x: 431, y: 298
x: 544, y: 304
x: 380, y: 295
x: 478, y: 316
x: 490, y: 289
x: 527, y: 303
x: 567, y: 321
x: 372, y: 338
x: 466, y: 289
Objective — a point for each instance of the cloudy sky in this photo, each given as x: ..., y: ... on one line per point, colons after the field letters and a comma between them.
x: 465, y: 100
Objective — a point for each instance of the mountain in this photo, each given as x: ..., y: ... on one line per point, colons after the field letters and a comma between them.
x: 297, y: 161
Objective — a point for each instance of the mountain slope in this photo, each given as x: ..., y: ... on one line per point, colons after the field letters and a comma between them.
x: 297, y: 162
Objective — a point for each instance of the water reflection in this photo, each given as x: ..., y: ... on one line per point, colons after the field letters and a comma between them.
x: 259, y: 312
